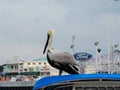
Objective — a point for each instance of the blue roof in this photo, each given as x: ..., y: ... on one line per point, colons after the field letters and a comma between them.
x: 56, y: 79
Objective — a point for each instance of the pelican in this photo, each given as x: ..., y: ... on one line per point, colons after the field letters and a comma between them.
x: 61, y: 61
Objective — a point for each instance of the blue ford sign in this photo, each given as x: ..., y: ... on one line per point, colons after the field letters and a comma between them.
x: 82, y: 56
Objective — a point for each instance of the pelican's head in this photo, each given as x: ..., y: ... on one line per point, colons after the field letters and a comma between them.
x: 50, y: 32
x: 48, y: 45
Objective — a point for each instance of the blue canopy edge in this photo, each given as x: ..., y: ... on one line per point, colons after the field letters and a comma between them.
x: 57, y: 79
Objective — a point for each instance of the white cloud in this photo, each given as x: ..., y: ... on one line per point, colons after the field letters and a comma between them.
x: 24, y: 24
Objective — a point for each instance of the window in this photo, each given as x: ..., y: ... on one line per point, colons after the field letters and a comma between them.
x: 16, y: 68
x: 118, y: 64
x: 117, y: 88
x: 44, y: 63
x: 31, y: 69
x: 102, y: 88
x: 21, y: 64
x: 28, y: 63
x: 25, y: 69
x: 33, y: 63
x: 11, y: 67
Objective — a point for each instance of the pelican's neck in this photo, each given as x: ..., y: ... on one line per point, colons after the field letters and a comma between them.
x: 50, y: 43
x: 49, y: 55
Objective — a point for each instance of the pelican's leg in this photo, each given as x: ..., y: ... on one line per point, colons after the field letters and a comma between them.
x: 60, y: 72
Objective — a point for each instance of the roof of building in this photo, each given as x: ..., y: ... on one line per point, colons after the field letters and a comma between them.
x: 12, y: 62
x: 21, y: 61
x: 40, y: 59
x: 57, y: 79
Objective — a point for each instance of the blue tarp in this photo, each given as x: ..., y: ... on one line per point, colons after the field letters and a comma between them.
x: 57, y: 79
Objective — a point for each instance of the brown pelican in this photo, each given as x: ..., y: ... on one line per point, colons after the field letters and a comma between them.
x: 62, y: 61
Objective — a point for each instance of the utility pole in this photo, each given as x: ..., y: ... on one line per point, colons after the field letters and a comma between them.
x: 73, y: 44
x: 96, y: 60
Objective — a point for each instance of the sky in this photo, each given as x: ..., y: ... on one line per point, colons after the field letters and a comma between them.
x: 24, y: 25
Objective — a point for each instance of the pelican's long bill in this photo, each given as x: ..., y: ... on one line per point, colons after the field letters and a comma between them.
x: 48, y: 37
x: 48, y: 44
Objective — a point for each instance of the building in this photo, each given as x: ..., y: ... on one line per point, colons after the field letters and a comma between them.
x: 90, y: 69
x: 39, y: 67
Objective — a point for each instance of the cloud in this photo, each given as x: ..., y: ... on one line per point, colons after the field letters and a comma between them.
x: 24, y: 24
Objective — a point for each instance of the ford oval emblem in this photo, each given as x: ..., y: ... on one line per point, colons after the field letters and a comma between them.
x: 82, y: 56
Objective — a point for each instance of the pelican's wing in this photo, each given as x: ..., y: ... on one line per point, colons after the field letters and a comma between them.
x: 63, y: 58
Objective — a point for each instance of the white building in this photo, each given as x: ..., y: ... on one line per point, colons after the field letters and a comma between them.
x: 38, y: 66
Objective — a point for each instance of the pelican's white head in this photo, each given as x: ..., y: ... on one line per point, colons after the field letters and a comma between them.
x: 48, y: 45
x: 50, y: 32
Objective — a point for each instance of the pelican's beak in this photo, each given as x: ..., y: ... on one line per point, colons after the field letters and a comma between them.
x: 48, y: 37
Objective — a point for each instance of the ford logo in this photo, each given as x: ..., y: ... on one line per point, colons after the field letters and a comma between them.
x: 82, y: 56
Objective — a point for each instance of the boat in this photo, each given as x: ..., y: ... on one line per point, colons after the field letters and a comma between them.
x: 79, y: 82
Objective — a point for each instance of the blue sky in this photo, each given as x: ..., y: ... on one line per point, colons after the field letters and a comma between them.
x: 24, y: 23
